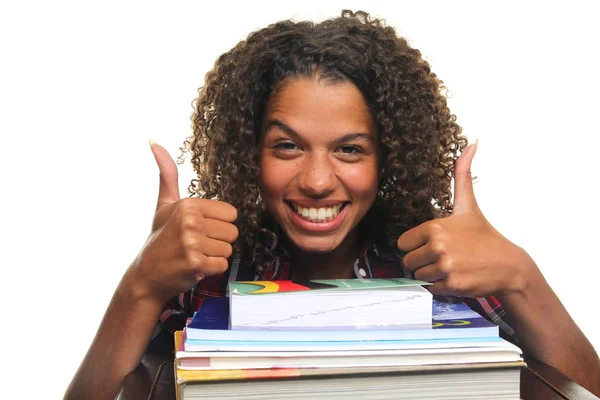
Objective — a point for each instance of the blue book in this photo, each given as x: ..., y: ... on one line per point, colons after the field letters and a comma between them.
x: 212, y: 315
x: 192, y: 345
x: 452, y: 320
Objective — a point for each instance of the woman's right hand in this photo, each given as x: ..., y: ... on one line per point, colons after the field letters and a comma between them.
x: 191, y: 239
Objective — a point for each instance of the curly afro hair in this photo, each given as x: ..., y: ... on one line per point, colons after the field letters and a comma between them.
x: 419, y: 138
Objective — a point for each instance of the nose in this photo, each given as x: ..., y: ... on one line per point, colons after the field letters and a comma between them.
x: 318, y: 176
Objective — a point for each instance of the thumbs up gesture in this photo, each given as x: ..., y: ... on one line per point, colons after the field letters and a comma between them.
x: 463, y: 255
x: 191, y: 238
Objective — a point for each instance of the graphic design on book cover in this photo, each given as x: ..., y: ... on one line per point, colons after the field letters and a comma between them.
x: 265, y: 287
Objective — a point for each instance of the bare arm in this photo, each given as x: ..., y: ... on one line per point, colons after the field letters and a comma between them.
x: 463, y: 255
x: 190, y: 239
x: 548, y: 333
x: 118, y: 347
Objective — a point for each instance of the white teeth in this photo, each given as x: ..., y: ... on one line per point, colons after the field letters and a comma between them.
x: 318, y: 214
x: 321, y: 213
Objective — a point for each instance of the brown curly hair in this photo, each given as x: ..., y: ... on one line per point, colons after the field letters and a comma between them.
x: 419, y: 138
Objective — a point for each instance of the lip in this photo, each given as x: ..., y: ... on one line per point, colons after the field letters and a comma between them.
x: 318, y: 227
x: 316, y: 204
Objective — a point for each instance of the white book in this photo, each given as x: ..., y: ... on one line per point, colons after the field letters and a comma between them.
x: 503, y: 351
x: 330, y: 304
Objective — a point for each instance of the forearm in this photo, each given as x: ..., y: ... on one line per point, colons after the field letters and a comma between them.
x: 118, y: 347
x: 548, y: 333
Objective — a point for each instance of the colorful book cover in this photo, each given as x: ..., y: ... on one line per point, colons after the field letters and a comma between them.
x: 286, y: 286
x: 455, y: 314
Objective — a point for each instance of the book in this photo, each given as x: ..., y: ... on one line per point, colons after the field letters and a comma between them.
x: 329, y: 304
x: 194, y: 346
x: 502, y: 351
x: 450, y: 320
x: 499, y: 380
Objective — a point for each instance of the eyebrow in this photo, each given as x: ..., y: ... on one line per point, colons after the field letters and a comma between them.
x: 346, y: 138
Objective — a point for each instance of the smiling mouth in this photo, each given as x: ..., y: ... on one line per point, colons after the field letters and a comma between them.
x: 314, y: 214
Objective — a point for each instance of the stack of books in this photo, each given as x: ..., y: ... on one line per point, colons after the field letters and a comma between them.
x: 342, y: 339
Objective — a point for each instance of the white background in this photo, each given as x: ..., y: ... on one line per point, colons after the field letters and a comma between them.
x: 83, y: 88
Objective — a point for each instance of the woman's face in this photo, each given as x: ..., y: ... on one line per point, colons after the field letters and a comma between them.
x: 318, y: 169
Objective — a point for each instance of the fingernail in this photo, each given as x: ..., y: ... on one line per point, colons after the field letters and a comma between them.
x: 473, y: 146
x: 151, y: 142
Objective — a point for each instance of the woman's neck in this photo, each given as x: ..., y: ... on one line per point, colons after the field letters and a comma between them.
x: 337, y: 264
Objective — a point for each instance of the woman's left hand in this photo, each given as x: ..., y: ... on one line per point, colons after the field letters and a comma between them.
x: 463, y: 255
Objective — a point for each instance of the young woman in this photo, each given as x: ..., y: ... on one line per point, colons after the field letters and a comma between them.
x: 325, y: 151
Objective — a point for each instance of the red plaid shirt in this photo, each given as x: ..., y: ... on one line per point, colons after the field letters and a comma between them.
x: 373, y: 262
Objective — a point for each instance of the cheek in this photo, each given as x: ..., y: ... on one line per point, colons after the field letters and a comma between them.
x: 363, y: 181
x: 273, y: 178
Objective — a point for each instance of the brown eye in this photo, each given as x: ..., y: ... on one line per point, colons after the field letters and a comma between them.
x: 286, y: 150
x: 285, y: 146
x: 351, y: 150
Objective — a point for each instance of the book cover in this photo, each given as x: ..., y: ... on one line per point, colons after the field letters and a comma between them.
x: 212, y: 315
x: 455, y: 314
x: 287, y: 286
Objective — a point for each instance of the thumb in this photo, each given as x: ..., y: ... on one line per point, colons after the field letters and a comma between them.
x: 464, y: 196
x: 168, y: 191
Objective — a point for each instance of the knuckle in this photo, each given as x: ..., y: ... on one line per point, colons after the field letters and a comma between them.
x: 196, y: 260
x: 185, y: 204
x: 455, y: 286
x: 189, y: 201
x: 438, y: 246
x: 189, y: 241
x: 190, y: 221
x: 446, y: 265
x: 435, y: 227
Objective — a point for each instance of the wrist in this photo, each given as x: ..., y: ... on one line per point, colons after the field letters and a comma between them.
x: 526, y: 279
x: 136, y: 288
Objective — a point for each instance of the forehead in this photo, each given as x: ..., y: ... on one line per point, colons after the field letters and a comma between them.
x: 314, y: 106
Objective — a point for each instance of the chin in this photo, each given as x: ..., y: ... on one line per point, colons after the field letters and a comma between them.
x: 316, y: 245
